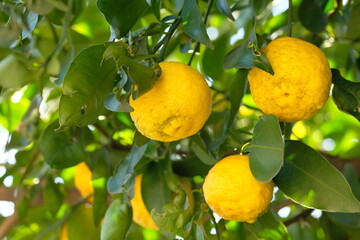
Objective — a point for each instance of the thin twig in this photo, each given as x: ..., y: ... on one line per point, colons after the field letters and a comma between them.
x: 303, y: 215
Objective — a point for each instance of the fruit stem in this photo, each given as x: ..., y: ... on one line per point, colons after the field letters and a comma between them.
x: 290, y: 18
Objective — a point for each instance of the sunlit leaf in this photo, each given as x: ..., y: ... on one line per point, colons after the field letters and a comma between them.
x: 86, y: 85
x: 266, y: 149
x: 122, y: 15
x: 193, y: 24
x: 346, y: 94
x: 310, y: 180
x: 117, y: 221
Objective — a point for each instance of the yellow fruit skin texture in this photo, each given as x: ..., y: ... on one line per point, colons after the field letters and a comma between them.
x: 140, y: 213
x: 83, y: 180
x: 301, y: 83
x: 176, y: 107
x: 233, y: 193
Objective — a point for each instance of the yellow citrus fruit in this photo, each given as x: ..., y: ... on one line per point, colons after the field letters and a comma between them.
x: 64, y: 232
x: 140, y: 213
x: 300, y: 85
x: 82, y: 180
x: 176, y: 107
x: 233, y: 193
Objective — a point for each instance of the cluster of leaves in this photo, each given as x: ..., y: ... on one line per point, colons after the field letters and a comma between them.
x: 68, y: 68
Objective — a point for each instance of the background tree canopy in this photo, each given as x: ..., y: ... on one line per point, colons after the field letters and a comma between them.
x: 68, y: 68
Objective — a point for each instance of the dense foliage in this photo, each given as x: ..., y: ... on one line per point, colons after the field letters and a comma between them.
x: 68, y: 68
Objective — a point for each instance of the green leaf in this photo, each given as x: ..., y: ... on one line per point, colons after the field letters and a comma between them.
x: 112, y: 104
x: 100, y: 174
x: 117, y: 221
x: 62, y: 149
x: 266, y: 149
x: 143, y: 76
x: 171, y: 218
x: 224, y: 8
x: 346, y: 94
x: 156, y: 7
x: 212, y: 58
x: 14, y: 72
x: 268, y: 226
x: 86, y: 85
x: 248, y: 55
x: 312, y: 15
x: 237, y: 92
x: 140, y: 139
x: 154, y: 189
x: 117, y: 183
x: 122, y: 15
x: 86, y: 230
x: 42, y: 7
x: 53, y: 197
x: 193, y: 24
x: 310, y: 180
x: 201, y: 151
x: 190, y: 167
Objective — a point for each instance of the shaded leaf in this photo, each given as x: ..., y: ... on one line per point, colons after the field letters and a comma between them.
x: 312, y: 15
x: 154, y: 189
x: 248, y: 55
x: 100, y: 174
x: 117, y: 221
x: 61, y: 149
x: 193, y: 24
x: 266, y: 149
x: 122, y: 15
x: 52, y: 196
x: 143, y: 76
x: 201, y: 151
x: 346, y: 94
x: 86, y: 85
x: 112, y: 104
x: 224, y: 8
x: 190, y: 167
x: 140, y: 139
x: 124, y: 171
x: 212, y: 58
x: 310, y: 180
x: 268, y: 226
x: 237, y: 92
x: 86, y: 230
x: 14, y: 72
x: 171, y: 218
